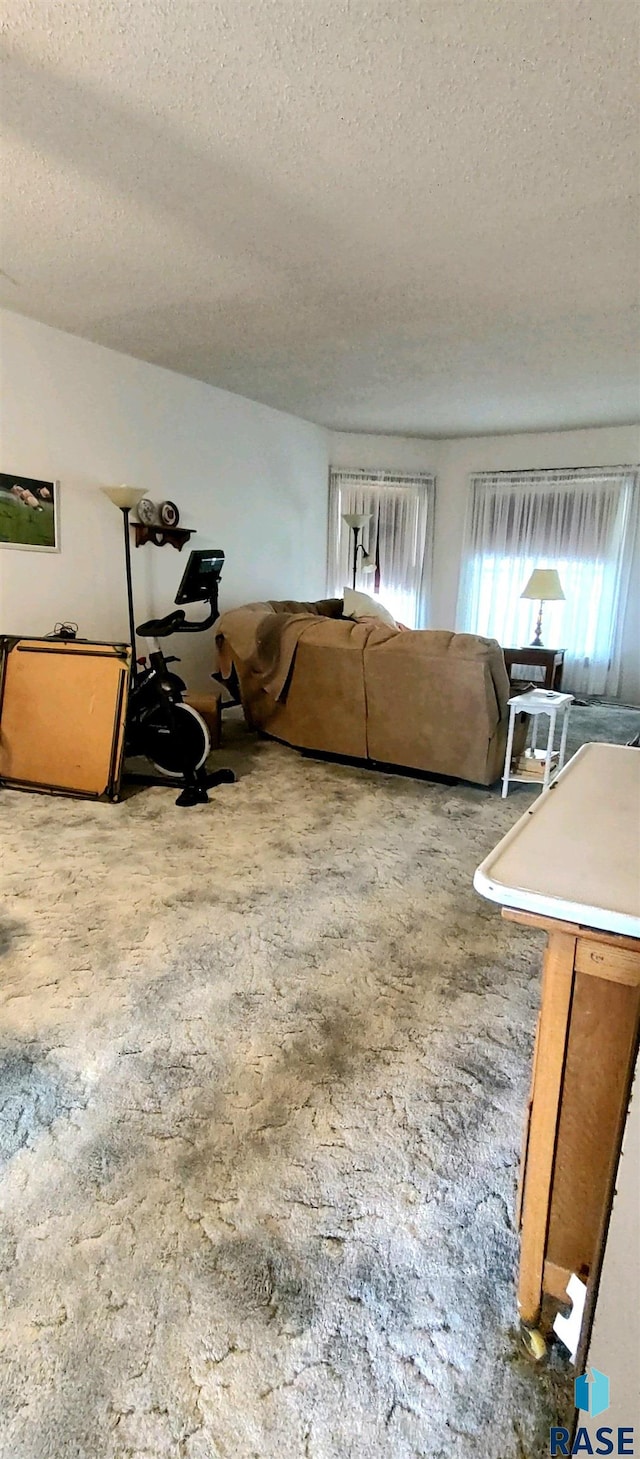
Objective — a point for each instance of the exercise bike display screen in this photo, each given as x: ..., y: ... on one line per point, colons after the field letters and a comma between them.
x: 201, y: 576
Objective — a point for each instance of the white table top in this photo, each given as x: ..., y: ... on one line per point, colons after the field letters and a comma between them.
x: 540, y: 701
x: 575, y: 855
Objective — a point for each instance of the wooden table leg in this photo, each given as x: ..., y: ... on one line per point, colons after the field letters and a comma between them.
x: 553, y: 1029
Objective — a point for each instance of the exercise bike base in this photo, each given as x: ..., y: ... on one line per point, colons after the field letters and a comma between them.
x: 197, y: 794
x: 194, y: 794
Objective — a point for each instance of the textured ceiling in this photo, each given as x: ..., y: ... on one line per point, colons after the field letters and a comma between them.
x: 416, y: 216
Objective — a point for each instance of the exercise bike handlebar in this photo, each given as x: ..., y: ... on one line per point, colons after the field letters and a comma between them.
x: 177, y: 623
x: 199, y: 626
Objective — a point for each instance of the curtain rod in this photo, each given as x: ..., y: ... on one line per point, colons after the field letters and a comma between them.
x: 557, y: 470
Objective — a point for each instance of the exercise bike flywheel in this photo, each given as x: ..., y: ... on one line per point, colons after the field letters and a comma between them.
x: 185, y: 742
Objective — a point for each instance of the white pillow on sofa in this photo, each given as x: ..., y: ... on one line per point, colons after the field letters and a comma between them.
x: 360, y: 605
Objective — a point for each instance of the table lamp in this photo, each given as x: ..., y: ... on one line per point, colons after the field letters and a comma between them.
x: 126, y: 497
x: 545, y: 587
x: 356, y: 521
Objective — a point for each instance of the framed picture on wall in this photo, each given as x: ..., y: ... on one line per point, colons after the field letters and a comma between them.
x: 29, y: 513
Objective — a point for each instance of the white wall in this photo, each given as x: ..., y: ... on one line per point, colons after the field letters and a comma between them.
x: 384, y: 453
x: 250, y: 479
x: 453, y: 461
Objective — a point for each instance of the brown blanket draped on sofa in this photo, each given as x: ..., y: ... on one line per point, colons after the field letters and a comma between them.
x: 264, y: 637
x: 423, y: 699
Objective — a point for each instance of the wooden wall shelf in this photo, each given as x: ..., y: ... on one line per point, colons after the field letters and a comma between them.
x: 160, y: 536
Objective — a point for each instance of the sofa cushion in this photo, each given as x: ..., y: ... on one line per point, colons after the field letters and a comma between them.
x: 360, y: 605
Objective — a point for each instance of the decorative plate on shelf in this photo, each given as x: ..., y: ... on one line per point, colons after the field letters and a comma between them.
x: 147, y: 512
x: 169, y: 514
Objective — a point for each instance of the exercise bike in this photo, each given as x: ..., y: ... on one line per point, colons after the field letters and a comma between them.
x: 160, y: 726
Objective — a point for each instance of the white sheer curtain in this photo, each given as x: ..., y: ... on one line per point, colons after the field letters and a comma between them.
x: 398, y: 537
x: 580, y: 522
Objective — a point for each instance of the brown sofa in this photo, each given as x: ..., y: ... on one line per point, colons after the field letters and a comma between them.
x: 425, y: 700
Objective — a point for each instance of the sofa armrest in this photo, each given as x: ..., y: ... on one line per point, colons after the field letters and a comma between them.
x: 499, y: 676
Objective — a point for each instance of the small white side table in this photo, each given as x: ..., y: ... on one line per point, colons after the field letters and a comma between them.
x: 536, y: 702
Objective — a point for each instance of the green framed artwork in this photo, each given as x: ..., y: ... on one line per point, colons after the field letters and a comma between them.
x: 29, y: 513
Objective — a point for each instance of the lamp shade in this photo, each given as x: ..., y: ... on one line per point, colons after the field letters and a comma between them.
x: 544, y: 585
x: 356, y: 519
x: 368, y: 563
x: 123, y: 496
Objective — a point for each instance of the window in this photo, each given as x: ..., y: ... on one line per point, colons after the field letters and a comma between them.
x: 581, y: 523
x: 398, y: 538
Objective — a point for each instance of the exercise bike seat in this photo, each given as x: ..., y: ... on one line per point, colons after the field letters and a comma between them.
x: 162, y: 627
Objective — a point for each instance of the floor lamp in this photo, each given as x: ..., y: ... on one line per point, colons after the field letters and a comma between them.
x: 126, y: 497
x: 356, y: 521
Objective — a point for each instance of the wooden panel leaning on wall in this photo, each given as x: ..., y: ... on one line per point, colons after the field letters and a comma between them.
x: 62, y: 715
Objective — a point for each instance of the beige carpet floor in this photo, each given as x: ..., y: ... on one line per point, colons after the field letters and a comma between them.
x: 263, y: 1071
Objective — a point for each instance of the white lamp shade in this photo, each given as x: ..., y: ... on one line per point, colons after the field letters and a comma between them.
x: 123, y: 496
x: 368, y: 563
x: 356, y: 519
x: 544, y: 585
